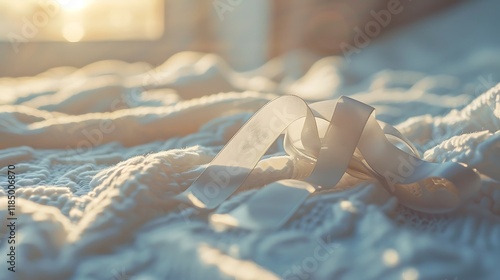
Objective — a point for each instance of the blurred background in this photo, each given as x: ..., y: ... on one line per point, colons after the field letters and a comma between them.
x: 36, y: 35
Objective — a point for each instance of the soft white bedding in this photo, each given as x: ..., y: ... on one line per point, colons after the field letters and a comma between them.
x: 98, y: 149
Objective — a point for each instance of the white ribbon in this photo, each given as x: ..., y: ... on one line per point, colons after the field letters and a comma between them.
x: 330, y: 138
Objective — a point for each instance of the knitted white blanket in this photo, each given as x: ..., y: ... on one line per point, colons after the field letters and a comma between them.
x: 97, y: 150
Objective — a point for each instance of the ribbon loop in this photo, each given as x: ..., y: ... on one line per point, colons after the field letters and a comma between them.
x: 230, y: 168
x: 333, y: 138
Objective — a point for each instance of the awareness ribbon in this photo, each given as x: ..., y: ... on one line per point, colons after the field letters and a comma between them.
x: 330, y: 138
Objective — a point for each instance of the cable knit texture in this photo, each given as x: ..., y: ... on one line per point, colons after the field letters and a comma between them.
x: 94, y: 195
x: 100, y: 151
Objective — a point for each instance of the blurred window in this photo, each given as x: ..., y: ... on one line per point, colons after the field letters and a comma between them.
x: 81, y: 20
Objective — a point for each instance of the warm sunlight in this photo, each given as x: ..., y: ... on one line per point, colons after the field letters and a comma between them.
x: 73, y: 32
x: 73, y: 5
x: 81, y: 20
x: 249, y: 139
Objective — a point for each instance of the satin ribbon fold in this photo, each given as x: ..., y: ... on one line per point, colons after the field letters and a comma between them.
x: 329, y: 138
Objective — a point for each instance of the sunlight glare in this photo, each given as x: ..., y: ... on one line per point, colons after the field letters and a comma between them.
x: 391, y: 257
x: 348, y: 206
x: 410, y: 274
x: 73, y: 32
x: 72, y: 5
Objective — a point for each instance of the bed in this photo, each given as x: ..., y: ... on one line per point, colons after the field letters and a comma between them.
x: 98, y: 150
